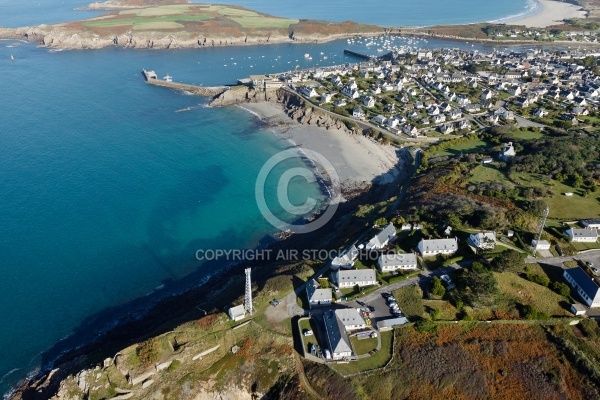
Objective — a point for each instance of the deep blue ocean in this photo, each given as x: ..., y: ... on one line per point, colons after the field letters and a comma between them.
x: 107, y: 191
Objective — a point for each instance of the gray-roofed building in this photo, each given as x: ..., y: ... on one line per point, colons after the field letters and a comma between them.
x: 350, y: 319
x: 590, y: 223
x: 317, y: 296
x: 353, y: 277
x: 337, y: 338
x: 346, y: 259
x: 237, y: 313
x: 381, y: 240
x: 586, y: 235
x: 388, y: 324
x: 586, y: 286
x: 393, y: 262
x: 432, y: 247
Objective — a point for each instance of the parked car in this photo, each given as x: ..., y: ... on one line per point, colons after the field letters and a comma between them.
x: 312, y: 348
x: 308, y: 332
x: 385, y: 295
x: 275, y: 302
x: 371, y: 308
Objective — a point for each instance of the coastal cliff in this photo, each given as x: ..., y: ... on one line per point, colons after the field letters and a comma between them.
x: 293, y: 105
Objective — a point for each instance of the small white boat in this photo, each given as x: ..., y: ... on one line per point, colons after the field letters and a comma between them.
x: 307, y: 56
x: 12, y: 58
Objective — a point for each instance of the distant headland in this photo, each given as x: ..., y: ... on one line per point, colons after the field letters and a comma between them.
x: 170, y: 24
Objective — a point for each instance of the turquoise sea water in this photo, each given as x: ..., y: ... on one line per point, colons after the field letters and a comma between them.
x: 106, y: 191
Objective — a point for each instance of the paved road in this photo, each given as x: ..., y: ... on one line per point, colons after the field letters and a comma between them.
x: 592, y: 256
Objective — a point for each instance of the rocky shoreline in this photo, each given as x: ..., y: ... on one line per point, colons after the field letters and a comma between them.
x: 220, y: 290
x: 213, y: 296
x: 55, y: 38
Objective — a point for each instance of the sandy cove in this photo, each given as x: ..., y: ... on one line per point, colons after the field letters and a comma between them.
x: 358, y: 160
x: 551, y: 12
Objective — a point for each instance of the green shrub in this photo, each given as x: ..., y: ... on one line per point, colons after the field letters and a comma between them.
x: 451, y: 261
x: 539, y: 279
x: 437, y: 288
x: 561, y: 288
x: 425, y: 326
x: 531, y: 312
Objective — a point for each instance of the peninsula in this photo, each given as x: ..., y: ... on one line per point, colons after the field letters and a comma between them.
x: 171, y: 24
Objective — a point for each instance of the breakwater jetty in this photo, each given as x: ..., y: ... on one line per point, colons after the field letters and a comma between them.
x: 360, y: 55
x: 207, y: 91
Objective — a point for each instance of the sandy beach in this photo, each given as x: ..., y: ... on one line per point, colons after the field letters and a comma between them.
x: 550, y: 13
x: 358, y: 160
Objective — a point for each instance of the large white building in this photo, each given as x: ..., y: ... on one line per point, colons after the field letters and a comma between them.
x: 316, y: 295
x: 582, y: 234
x: 393, y: 262
x: 432, y: 247
x: 337, y: 338
x: 337, y: 325
x: 353, y: 277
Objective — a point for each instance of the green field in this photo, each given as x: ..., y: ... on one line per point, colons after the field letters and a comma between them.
x: 561, y: 206
x: 171, y: 17
x: 526, y: 135
x: 363, y: 346
x: 487, y: 173
x: 467, y: 147
x: 523, y: 291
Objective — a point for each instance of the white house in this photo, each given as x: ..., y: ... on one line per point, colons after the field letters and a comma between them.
x: 540, y: 244
x: 317, y: 296
x: 358, y: 113
x: 393, y: 262
x: 588, y: 235
x: 483, y: 240
x: 346, y: 259
x: 508, y: 152
x: 353, y: 277
x: 369, y: 102
x: 237, y: 313
x: 585, y: 286
x: 379, y: 119
x: 326, y: 97
x: 381, y: 240
x: 432, y: 247
x: 308, y: 91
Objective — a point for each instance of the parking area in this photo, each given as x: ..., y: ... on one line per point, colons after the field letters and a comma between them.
x: 378, y: 307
